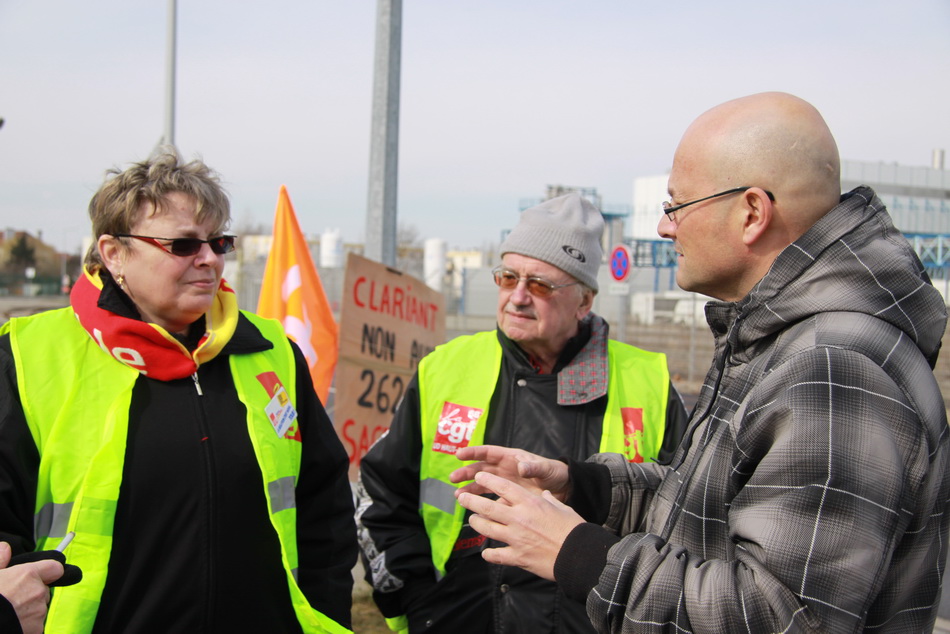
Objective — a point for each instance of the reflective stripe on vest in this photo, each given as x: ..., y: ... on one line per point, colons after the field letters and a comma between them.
x: 438, y: 494
x: 51, y: 520
x: 634, y: 419
x: 282, y: 494
x: 78, y: 416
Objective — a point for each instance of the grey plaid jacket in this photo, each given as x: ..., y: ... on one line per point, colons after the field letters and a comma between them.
x: 810, y: 493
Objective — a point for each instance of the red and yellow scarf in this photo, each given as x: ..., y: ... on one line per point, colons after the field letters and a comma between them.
x: 148, y: 347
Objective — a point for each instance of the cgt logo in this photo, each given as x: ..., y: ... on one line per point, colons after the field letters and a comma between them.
x: 455, y: 427
x: 632, y: 432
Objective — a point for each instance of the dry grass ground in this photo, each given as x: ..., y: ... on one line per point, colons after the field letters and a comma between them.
x: 366, y: 618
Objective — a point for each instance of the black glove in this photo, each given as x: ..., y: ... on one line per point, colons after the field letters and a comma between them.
x: 71, y: 574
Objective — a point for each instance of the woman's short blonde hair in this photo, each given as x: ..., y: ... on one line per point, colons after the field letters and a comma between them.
x: 117, y: 206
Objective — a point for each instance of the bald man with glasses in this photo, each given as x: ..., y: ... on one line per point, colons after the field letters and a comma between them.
x: 547, y: 380
x: 810, y: 491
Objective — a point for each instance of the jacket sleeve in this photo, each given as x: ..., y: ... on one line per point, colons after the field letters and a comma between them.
x: 19, y: 461
x: 821, y: 480
x: 676, y: 419
x: 326, y: 535
x: 395, y: 549
x: 9, y: 621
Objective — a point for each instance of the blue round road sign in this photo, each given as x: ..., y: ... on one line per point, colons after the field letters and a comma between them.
x: 620, y: 263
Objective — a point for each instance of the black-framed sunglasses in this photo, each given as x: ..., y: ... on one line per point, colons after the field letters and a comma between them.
x: 537, y: 286
x: 670, y: 209
x: 184, y: 247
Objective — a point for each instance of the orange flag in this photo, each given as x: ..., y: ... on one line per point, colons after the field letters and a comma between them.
x: 292, y: 293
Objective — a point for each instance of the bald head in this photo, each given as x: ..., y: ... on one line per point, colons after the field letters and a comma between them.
x: 779, y: 151
x: 775, y: 141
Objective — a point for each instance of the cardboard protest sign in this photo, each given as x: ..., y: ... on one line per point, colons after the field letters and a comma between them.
x: 388, y: 322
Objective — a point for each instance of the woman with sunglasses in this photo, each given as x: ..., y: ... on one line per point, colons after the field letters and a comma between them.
x: 178, y: 437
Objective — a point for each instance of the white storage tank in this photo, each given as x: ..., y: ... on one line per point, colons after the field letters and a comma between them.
x: 331, y: 249
x: 434, y: 263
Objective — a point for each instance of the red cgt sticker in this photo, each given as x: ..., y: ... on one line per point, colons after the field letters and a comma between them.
x: 456, y: 424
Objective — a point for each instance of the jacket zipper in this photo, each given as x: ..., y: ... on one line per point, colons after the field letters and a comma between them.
x: 687, y: 476
x: 209, y: 501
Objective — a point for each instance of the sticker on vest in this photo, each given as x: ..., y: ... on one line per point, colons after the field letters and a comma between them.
x: 456, y: 424
x: 632, y: 432
x: 281, y: 412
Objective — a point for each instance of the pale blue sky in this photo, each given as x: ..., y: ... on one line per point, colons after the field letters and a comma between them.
x: 499, y: 97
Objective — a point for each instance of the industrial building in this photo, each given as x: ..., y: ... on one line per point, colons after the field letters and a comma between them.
x: 917, y: 197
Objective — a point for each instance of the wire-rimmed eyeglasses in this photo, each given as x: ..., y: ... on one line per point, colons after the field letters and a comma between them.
x: 184, y: 247
x: 537, y: 286
x: 670, y: 209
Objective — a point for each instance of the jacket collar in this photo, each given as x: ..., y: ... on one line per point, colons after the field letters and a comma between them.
x: 584, y: 379
x: 582, y: 367
x: 852, y: 260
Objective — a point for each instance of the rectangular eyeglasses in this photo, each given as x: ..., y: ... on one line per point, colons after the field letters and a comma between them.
x: 537, y: 286
x: 670, y: 209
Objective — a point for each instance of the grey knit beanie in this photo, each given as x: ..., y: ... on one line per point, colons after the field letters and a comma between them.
x: 564, y: 232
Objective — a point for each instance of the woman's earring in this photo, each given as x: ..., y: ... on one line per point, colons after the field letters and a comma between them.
x: 120, y: 280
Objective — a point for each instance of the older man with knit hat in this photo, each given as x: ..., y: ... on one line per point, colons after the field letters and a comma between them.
x: 547, y: 380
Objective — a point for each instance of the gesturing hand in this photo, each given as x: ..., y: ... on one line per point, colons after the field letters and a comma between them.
x: 534, y: 473
x: 25, y: 587
x: 534, y: 526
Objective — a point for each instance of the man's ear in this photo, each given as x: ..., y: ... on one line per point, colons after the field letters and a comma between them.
x: 758, y: 215
x: 587, y: 303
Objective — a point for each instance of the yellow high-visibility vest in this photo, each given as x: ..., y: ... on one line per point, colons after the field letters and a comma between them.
x: 464, y: 372
x: 76, y: 399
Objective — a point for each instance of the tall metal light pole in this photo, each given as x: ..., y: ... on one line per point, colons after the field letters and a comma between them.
x: 168, y: 138
x: 384, y: 135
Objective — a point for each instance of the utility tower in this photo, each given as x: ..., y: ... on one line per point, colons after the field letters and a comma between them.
x: 168, y: 138
x: 384, y: 135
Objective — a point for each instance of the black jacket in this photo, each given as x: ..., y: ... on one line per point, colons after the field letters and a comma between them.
x: 475, y: 596
x: 9, y: 623
x: 194, y: 550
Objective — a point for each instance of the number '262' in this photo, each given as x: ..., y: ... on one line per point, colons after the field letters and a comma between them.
x: 383, y: 398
